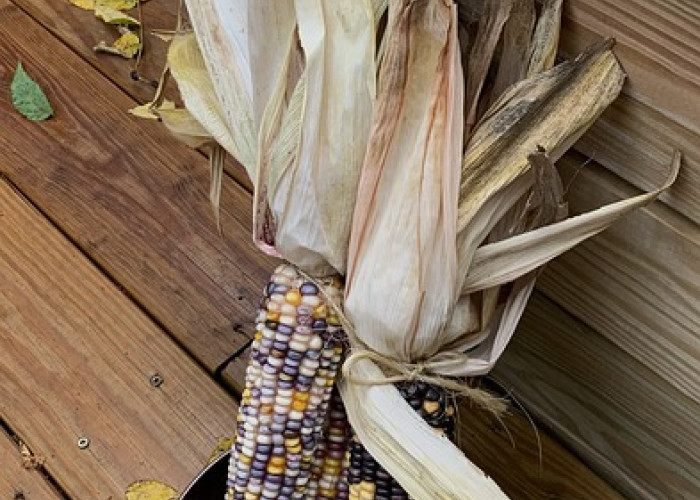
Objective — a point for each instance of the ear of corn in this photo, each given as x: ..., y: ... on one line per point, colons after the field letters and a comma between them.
x: 294, y: 360
x: 329, y: 474
x: 367, y: 479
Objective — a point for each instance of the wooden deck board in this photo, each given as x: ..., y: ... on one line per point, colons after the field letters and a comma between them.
x: 17, y: 482
x: 638, y: 283
x: 632, y: 427
x: 658, y: 43
x: 76, y: 359
x: 508, y: 451
x: 81, y: 30
x: 131, y: 196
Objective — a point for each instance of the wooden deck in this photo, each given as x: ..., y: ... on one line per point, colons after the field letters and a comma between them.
x: 112, y: 272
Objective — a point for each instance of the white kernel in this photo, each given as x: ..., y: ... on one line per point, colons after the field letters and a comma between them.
x: 316, y: 342
x: 288, y: 320
x: 288, y: 309
x: 310, y: 300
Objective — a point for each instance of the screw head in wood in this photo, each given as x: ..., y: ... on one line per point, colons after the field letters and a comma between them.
x: 156, y: 380
x: 83, y: 443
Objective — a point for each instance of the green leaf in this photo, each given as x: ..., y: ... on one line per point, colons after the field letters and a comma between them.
x: 28, y: 98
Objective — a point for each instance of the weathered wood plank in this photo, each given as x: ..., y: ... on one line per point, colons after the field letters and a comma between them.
x: 131, y: 196
x: 508, y: 451
x: 638, y: 283
x: 77, y: 356
x: 631, y: 426
x: 81, y: 31
x: 658, y: 43
x: 17, y: 482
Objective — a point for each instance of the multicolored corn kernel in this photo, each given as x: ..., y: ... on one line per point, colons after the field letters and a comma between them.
x: 328, y: 481
x: 367, y: 480
x: 295, y: 356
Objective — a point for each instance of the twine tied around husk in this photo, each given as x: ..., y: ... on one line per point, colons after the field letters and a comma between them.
x: 420, y: 371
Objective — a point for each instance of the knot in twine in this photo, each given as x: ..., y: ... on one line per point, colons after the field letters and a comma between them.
x: 423, y: 371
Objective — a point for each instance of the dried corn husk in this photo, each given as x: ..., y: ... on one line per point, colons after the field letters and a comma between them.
x: 246, y: 46
x: 311, y: 189
x: 411, y: 324
x: 406, y: 212
x: 300, y: 124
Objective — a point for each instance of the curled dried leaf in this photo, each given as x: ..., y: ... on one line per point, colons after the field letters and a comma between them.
x: 111, y: 15
x: 127, y: 46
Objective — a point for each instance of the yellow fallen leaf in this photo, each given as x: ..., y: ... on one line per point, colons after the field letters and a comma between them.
x: 126, y: 45
x: 222, y: 446
x: 149, y: 111
x: 84, y: 4
x: 111, y: 15
x: 129, y: 44
x: 117, y: 4
x: 150, y: 490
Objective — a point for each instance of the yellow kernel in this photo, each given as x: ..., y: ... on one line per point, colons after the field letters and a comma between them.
x: 272, y: 469
x: 293, y: 297
x: 244, y: 458
x: 431, y: 406
x: 277, y: 461
x: 299, y: 405
x: 301, y: 396
x: 258, y: 335
x: 273, y: 316
x: 320, y: 311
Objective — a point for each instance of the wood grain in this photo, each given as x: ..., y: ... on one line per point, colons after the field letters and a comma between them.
x: 508, y: 451
x: 131, y: 196
x: 16, y: 482
x: 76, y: 357
x: 81, y: 31
x: 638, y: 283
x: 658, y: 43
x: 632, y: 427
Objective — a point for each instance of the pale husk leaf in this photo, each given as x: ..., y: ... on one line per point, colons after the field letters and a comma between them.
x: 491, y: 21
x: 427, y: 465
x: 402, y: 254
x: 245, y: 45
x: 184, y: 126
x: 312, y: 197
x: 188, y: 68
x: 506, y: 260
